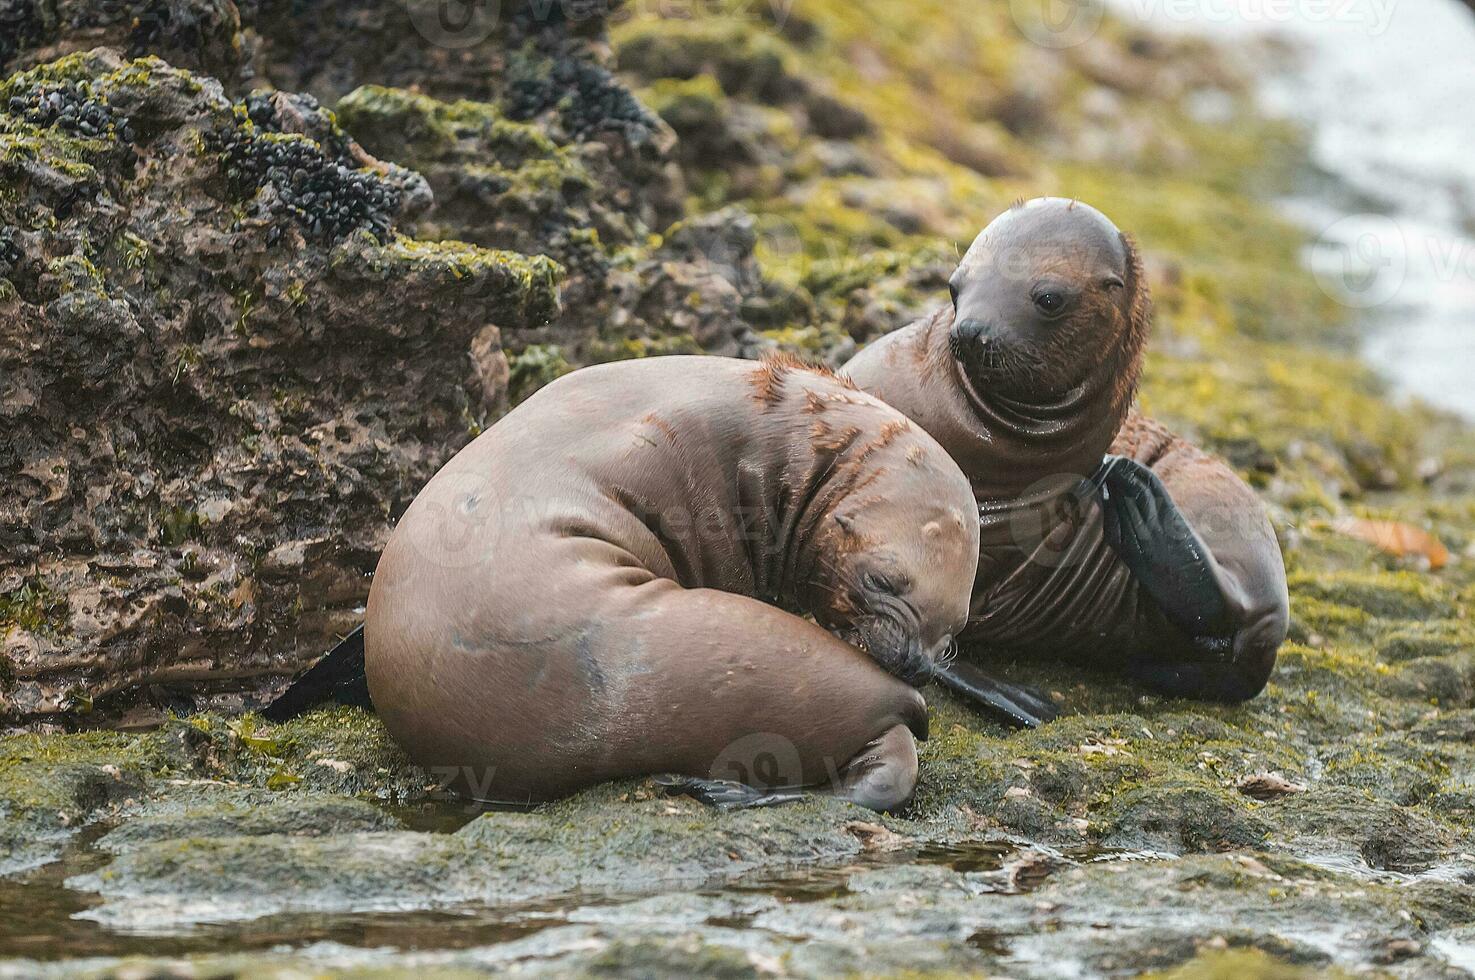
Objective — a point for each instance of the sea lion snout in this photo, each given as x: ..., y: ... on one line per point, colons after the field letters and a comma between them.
x: 1040, y: 293
x: 892, y: 628
x: 892, y: 567
x: 970, y: 330
x: 897, y: 646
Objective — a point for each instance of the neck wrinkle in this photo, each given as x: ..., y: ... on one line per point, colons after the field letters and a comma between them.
x: 1023, y: 443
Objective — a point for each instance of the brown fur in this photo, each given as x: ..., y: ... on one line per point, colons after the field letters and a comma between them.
x: 1133, y: 344
x: 774, y: 370
x: 536, y: 650
x: 1056, y: 418
x: 1043, y: 401
x: 829, y: 441
x: 667, y: 429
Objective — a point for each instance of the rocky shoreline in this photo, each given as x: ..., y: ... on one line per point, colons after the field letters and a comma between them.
x: 240, y: 327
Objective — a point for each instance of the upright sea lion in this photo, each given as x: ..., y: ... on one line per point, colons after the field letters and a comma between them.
x: 583, y: 592
x: 1158, y: 559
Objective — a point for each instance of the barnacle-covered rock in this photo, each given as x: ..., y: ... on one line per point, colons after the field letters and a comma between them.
x: 201, y: 35
x: 222, y: 371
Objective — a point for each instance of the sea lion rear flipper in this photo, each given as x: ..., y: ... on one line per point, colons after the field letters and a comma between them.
x: 1010, y: 703
x: 724, y: 794
x: 1163, y: 552
x: 338, y: 676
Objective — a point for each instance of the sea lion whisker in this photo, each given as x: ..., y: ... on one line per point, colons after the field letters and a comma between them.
x: 948, y: 655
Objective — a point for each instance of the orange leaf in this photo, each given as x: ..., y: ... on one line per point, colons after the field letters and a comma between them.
x: 1396, y: 538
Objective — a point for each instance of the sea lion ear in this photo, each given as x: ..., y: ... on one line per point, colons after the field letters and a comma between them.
x: 847, y: 524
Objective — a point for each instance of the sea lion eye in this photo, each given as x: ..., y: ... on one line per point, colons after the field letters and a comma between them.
x: 877, y: 583
x: 1049, y: 301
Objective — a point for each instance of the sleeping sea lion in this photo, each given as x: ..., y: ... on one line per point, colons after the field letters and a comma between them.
x: 588, y: 590
x: 1156, y: 559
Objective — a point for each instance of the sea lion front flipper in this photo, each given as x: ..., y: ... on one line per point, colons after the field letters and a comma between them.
x: 1010, y: 703
x: 338, y: 677
x: 1163, y: 552
x: 725, y: 794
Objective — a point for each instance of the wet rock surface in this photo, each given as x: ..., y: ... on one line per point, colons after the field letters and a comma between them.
x: 212, y: 339
x: 254, y: 293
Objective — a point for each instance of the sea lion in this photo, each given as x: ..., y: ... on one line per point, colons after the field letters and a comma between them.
x: 584, y: 592
x: 1104, y: 537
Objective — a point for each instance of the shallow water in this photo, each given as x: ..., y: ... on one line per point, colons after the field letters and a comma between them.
x: 39, y: 914
x: 1386, y: 89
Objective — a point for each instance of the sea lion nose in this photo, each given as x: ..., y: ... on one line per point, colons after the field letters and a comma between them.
x: 969, y: 329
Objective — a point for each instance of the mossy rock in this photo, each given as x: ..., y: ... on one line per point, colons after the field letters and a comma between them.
x: 1245, y: 964
x: 1351, y: 825
x: 43, y: 804
x: 1178, y: 815
x: 206, y: 812
x: 603, y: 841
x: 1385, y: 595
x: 416, y: 129
x: 618, y: 833
x: 1433, y: 638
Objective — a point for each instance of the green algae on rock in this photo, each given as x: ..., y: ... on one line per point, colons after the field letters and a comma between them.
x: 251, y: 377
x: 598, y: 842
x: 841, y: 226
x: 207, y: 812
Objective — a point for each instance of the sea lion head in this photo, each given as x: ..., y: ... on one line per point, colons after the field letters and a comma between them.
x: 1048, y: 291
x: 897, y: 557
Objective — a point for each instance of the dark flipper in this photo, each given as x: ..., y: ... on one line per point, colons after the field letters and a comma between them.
x: 1014, y: 705
x: 1163, y: 552
x: 724, y: 794
x: 338, y: 677
x: 1221, y: 680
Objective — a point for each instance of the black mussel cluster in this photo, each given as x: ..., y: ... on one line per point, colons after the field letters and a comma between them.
x: 326, y: 198
x: 262, y: 112
x: 580, y: 256
x: 10, y: 252
x: 21, y: 26
x: 261, y: 108
x: 153, y: 23
x: 72, y: 108
x: 588, y: 99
